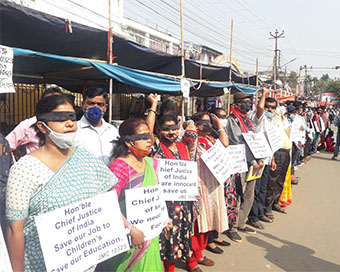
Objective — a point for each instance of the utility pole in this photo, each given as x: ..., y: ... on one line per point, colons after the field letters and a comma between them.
x: 276, y: 37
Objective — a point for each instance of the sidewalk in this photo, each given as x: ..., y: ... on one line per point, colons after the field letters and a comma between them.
x: 305, y: 239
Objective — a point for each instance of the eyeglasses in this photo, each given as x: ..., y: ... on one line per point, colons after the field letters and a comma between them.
x: 270, y: 107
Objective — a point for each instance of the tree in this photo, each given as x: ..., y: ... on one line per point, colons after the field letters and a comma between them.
x: 332, y: 87
x: 292, y: 79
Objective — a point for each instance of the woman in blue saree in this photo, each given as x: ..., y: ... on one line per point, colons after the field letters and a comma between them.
x: 51, y: 177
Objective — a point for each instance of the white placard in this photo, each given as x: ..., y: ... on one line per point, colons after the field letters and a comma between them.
x: 258, y: 144
x: 178, y: 179
x: 78, y: 236
x: 5, y: 264
x: 273, y: 136
x: 185, y: 87
x: 296, y: 135
x: 218, y: 161
x: 6, y: 70
x: 238, y: 158
x: 146, y: 210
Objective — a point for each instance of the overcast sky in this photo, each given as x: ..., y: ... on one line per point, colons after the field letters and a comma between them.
x: 311, y: 29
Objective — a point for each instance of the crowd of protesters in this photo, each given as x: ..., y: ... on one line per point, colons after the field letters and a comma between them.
x: 69, y: 161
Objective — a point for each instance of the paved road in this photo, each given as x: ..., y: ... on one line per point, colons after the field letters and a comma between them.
x: 305, y: 239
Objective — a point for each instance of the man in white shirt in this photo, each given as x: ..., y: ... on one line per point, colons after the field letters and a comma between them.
x: 261, y: 119
x: 94, y: 133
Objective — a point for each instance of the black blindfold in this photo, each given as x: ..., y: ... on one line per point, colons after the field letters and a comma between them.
x: 136, y: 137
x: 57, y: 116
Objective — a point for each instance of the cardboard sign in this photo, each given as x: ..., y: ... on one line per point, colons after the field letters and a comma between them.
x: 258, y: 144
x: 238, y: 158
x: 6, y: 70
x: 78, y: 236
x: 146, y: 210
x: 178, y: 179
x: 296, y: 135
x: 273, y: 136
x: 5, y: 264
x: 218, y: 161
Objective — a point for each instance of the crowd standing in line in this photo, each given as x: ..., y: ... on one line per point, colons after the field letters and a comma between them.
x: 68, y: 161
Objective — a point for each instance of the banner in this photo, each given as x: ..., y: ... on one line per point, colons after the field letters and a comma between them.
x: 273, y: 136
x: 237, y: 154
x: 6, y: 70
x: 258, y: 144
x: 178, y: 179
x: 78, y: 236
x: 218, y: 161
x: 146, y: 210
x: 5, y: 264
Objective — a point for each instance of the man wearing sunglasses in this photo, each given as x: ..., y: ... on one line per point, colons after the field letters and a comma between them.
x: 94, y: 133
x: 278, y: 171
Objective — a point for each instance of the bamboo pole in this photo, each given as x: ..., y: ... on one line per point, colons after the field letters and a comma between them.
x: 257, y: 79
x: 110, y: 62
x: 182, y: 55
x: 230, y: 61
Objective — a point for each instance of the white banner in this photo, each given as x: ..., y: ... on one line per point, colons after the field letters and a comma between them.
x: 146, y: 210
x: 273, y: 136
x: 5, y: 264
x: 258, y: 144
x: 6, y: 70
x: 78, y: 236
x: 218, y: 161
x: 238, y: 158
x: 178, y: 179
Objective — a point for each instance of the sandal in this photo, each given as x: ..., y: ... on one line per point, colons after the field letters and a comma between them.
x: 271, y: 216
x: 280, y: 210
x: 206, y: 261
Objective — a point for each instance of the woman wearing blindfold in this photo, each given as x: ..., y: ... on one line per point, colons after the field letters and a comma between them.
x: 56, y: 174
x: 134, y: 169
x: 213, y: 215
x: 177, y: 244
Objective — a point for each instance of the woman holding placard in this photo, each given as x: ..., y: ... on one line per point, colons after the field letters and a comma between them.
x: 178, y: 245
x: 213, y: 214
x: 134, y: 169
x: 53, y: 176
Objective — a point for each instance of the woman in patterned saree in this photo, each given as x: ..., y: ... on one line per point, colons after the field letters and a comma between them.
x: 53, y: 176
x: 134, y: 169
x: 178, y: 245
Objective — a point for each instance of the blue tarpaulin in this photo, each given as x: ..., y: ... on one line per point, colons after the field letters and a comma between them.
x: 238, y: 87
x: 68, y: 67
x: 71, y: 73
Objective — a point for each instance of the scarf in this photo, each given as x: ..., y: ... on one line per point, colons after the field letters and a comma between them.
x: 182, y: 150
x: 207, y: 142
x: 240, y: 117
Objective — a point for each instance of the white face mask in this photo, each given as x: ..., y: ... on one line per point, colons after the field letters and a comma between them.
x: 62, y: 140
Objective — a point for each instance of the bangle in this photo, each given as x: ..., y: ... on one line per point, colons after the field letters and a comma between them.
x: 128, y: 228
x: 221, y: 129
x: 154, y: 111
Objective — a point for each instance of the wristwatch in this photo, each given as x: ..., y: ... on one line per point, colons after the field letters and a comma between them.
x: 128, y: 228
